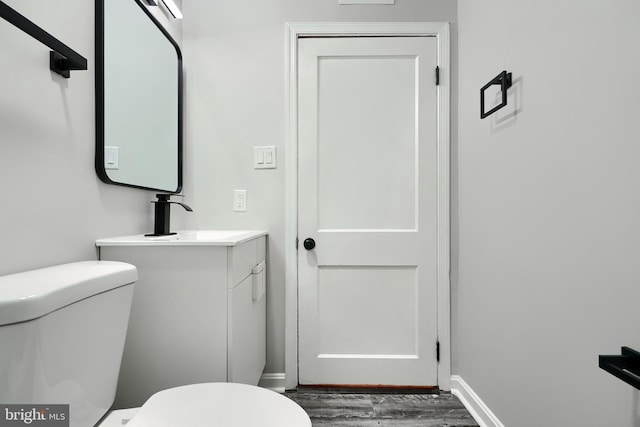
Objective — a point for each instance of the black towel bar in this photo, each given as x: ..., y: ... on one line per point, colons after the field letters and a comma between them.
x: 625, y: 366
x: 62, y: 58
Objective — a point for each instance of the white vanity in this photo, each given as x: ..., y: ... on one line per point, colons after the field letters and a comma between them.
x: 199, y: 310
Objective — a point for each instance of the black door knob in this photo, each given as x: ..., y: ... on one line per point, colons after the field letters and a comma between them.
x: 309, y: 243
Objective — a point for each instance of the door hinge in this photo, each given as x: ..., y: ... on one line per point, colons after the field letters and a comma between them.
x: 297, y: 243
x: 437, y: 351
x: 437, y: 75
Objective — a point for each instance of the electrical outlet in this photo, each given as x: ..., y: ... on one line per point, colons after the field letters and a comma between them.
x: 240, y: 200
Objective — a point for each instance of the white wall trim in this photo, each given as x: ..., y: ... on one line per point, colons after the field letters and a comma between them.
x: 476, y: 407
x: 293, y: 31
x: 273, y: 381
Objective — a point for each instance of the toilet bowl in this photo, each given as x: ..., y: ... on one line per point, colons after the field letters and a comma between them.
x: 209, y: 404
x: 58, y: 324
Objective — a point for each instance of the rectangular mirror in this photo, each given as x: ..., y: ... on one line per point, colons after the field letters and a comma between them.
x: 138, y: 99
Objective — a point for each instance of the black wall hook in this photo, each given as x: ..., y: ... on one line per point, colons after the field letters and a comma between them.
x: 504, y: 80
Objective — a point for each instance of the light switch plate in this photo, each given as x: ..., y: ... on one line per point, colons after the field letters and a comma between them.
x: 264, y: 157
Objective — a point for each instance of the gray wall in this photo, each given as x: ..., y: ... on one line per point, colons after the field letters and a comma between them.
x: 545, y: 202
x: 53, y: 205
x: 546, y: 273
x: 235, y: 58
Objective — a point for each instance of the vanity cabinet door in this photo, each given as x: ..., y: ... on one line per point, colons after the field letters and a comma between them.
x: 247, y: 330
x: 177, y: 330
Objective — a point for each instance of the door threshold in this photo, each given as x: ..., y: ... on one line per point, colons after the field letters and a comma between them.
x: 367, y: 389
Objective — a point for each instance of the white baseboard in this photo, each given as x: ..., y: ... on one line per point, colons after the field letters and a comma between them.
x: 273, y: 381
x: 476, y: 407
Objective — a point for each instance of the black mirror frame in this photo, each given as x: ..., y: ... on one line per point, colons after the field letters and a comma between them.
x: 99, y: 89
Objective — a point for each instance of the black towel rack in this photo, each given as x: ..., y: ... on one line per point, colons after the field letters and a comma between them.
x: 625, y: 366
x: 62, y: 58
x: 504, y: 80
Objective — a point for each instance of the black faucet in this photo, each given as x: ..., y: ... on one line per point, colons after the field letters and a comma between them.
x: 162, y: 215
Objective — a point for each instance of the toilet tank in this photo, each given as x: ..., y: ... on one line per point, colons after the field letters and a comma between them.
x: 62, y: 332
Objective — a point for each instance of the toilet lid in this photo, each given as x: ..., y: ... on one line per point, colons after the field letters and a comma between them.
x: 219, y: 405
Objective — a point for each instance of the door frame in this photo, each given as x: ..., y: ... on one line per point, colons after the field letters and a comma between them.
x: 293, y: 32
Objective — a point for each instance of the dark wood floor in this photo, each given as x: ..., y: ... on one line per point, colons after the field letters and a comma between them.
x: 380, y: 409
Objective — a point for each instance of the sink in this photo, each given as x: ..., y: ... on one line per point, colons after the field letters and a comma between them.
x: 186, y: 238
x: 211, y: 235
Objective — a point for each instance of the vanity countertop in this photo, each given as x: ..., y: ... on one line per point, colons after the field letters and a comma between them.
x: 186, y: 238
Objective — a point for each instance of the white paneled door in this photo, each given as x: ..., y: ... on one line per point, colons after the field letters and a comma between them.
x: 367, y: 198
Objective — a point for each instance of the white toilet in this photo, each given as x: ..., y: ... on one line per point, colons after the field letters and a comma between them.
x: 62, y: 332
